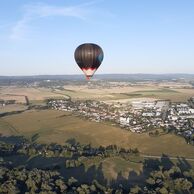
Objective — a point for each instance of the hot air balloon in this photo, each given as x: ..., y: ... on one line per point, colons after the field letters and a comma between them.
x: 88, y: 56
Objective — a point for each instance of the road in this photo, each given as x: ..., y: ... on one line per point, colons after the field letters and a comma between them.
x: 170, y: 157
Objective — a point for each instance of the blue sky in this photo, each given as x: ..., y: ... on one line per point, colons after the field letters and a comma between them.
x: 137, y: 36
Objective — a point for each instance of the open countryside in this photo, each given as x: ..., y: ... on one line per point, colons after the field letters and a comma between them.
x: 57, y: 127
x: 113, y: 132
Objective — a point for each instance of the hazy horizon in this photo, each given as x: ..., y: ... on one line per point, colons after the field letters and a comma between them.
x: 97, y: 74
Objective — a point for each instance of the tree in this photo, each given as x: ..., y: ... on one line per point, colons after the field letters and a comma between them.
x: 150, y: 181
x: 182, y: 184
x: 163, y: 190
x: 61, y: 185
x: 72, y: 181
x: 156, y: 133
x: 31, y: 185
x: 99, y: 186
x: 135, y: 190
x: 9, y: 187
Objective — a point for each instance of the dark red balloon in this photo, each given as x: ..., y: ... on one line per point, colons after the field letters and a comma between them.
x: 89, y: 57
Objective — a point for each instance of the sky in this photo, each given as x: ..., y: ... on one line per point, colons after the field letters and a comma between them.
x: 137, y: 36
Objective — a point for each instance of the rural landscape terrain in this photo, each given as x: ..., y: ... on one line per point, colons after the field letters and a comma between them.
x: 115, y: 133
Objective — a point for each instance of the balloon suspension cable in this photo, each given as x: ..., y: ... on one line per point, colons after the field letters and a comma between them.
x: 88, y: 78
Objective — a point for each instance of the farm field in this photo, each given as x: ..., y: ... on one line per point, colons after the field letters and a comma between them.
x: 175, y: 95
x: 117, y: 93
x: 55, y: 126
x: 127, y: 92
x: 82, y: 95
x: 12, y: 107
x: 33, y: 94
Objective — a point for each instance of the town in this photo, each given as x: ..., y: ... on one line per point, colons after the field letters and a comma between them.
x: 138, y: 116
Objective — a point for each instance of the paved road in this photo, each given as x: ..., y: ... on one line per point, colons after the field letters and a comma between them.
x: 170, y: 157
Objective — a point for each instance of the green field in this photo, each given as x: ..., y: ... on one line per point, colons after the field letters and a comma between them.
x: 56, y: 126
x: 175, y: 95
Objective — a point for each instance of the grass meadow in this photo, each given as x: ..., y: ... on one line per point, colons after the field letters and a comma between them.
x: 57, y: 126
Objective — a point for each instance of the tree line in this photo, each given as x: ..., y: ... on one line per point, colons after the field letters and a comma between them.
x: 160, y: 176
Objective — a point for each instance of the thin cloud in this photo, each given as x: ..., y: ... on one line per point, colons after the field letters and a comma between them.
x: 36, y: 11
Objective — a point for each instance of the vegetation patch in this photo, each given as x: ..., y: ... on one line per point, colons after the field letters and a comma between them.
x: 57, y: 128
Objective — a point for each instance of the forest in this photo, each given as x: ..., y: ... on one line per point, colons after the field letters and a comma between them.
x: 63, y: 162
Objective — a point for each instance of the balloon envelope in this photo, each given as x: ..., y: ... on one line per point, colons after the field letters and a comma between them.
x: 89, y: 57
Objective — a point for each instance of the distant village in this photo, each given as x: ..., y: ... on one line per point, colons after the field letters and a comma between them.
x: 138, y: 116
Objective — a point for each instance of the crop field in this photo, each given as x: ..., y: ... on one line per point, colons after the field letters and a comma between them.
x: 12, y: 107
x: 117, y: 88
x: 176, y: 94
x: 55, y: 126
x: 33, y: 94
x: 79, y: 95
x: 83, y: 92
